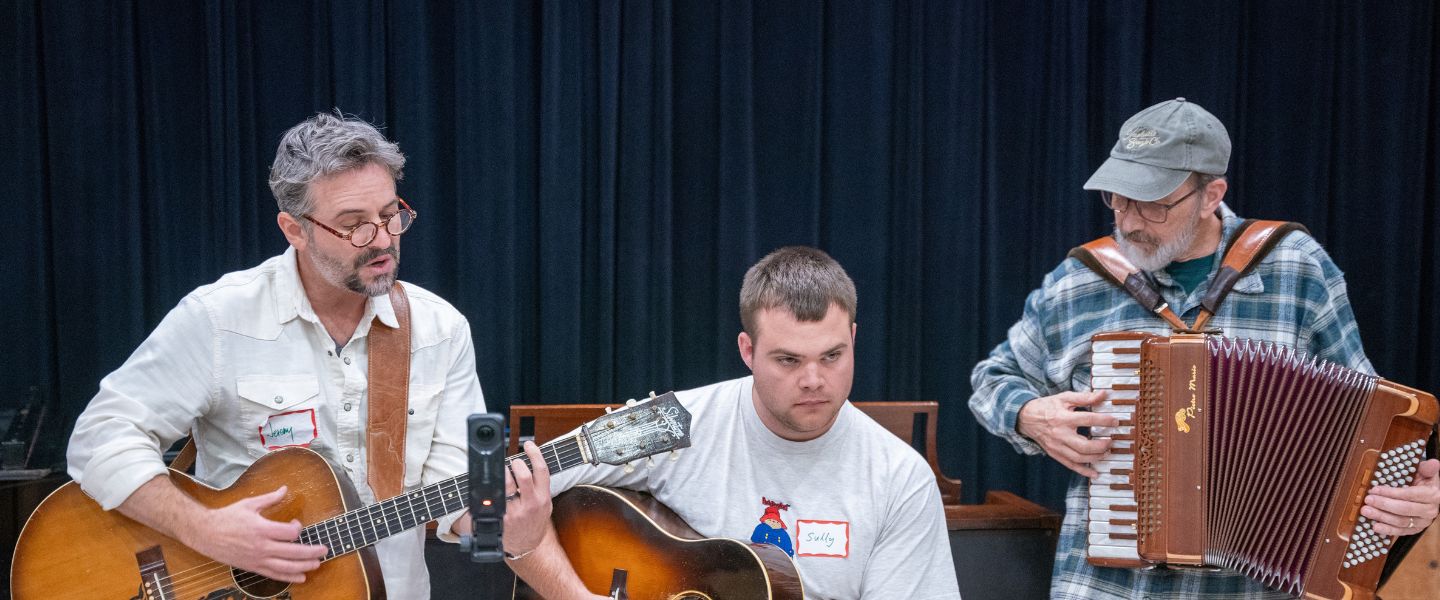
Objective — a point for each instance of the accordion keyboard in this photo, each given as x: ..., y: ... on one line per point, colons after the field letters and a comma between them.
x: 1113, y: 510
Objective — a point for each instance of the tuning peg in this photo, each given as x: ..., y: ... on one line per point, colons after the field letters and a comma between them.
x: 674, y: 455
x: 652, y: 394
x: 609, y: 409
x: 649, y: 461
x: 629, y: 468
x: 631, y: 402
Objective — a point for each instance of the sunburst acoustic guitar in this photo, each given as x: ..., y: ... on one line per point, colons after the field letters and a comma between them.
x: 631, y: 545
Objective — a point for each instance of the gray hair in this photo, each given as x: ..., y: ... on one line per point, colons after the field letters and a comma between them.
x: 1205, y: 179
x: 324, y: 145
x: 803, y: 280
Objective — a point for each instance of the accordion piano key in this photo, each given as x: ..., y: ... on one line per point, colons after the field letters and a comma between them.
x: 1125, y: 430
x: 1111, y: 407
x: 1111, y: 527
x: 1127, y: 553
x: 1108, y: 478
x: 1113, y: 383
x: 1111, y: 504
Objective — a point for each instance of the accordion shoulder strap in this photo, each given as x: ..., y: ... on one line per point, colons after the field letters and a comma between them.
x: 1103, y: 256
x: 1252, y: 240
x: 1248, y: 246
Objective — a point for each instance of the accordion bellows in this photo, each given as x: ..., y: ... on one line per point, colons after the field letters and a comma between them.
x: 1250, y: 456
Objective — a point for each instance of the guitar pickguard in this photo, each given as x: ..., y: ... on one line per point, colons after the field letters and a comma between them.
x: 234, y: 594
x: 225, y: 594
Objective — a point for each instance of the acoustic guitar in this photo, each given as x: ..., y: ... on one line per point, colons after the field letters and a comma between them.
x: 72, y: 548
x: 632, y: 546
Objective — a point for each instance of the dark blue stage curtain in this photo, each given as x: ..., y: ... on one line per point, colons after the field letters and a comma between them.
x: 594, y: 177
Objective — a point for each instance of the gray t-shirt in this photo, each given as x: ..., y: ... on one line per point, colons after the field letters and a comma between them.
x: 857, y: 508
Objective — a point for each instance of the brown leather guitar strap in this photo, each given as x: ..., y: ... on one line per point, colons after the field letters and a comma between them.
x: 186, y: 457
x: 389, y: 374
x: 1248, y: 245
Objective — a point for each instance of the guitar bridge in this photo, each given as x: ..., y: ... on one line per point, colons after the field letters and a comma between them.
x: 154, y: 575
x: 617, y: 585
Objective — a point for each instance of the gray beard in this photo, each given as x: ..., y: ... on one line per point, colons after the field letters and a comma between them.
x: 1164, y: 254
x: 336, y: 273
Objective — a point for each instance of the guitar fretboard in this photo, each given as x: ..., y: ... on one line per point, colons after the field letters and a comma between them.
x: 363, y: 527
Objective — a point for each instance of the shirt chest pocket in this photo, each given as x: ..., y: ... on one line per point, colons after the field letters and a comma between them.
x: 278, y: 411
x: 420, y: 423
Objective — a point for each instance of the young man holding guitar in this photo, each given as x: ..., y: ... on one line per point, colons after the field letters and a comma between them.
x: 287, y: 354
x: 777, y: 458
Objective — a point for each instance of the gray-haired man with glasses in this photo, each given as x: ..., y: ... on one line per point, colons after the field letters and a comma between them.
x: 1164, y: 183
x: 279, y: 356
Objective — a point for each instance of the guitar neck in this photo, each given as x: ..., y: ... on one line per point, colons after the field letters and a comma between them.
x: 363, y: 527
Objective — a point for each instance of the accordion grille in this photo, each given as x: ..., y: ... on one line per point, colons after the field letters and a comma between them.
x: 1150, y: 432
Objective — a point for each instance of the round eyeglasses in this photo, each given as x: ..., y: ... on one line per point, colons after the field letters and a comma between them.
x: 363, y: 233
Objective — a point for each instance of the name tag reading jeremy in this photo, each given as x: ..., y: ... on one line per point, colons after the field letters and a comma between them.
x: 822, y: 538
x: 294, y: 428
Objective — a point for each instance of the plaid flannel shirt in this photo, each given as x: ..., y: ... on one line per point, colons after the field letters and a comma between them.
x: 1295, y: 296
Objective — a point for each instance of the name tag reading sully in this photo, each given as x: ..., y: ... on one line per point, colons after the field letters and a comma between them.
x: 822, y: 538
x: 294, y: 428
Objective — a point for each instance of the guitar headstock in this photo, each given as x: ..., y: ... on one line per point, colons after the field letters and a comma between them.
x: 649, y: 427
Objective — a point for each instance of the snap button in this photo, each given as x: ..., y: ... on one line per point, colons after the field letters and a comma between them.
x: 412, y: 411
x: 347, y: 406
x: 349, y: 458
x: 347, y: 360
x: 279, y: 399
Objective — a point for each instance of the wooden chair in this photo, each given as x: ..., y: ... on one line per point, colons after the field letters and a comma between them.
x: 545, y: 422
x: 915, y: 424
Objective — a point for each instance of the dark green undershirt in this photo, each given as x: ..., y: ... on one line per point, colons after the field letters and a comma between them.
x: 1191, y: 273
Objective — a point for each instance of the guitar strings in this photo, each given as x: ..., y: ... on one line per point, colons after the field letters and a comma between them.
x: 330, y: 531
x: 216, y: 573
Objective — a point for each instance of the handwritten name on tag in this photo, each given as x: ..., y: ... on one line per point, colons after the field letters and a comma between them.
x: 294, y: 428
x: 822, y: 538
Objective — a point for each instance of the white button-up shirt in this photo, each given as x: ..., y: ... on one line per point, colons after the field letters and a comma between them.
x: 245, y: 364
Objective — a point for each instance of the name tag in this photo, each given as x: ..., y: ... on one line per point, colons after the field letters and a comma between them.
x: 294, y: 428
x: 822, y: 538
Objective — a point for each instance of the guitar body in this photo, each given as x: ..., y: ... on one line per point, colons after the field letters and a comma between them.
x: 71, y: 548
x: 605, y: 529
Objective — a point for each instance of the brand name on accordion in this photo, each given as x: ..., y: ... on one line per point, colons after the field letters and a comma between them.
x: 1187, y: 413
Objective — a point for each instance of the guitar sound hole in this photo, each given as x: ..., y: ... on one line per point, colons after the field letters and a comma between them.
x: 259, y: 586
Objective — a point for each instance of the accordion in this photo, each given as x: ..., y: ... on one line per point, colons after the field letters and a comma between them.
x: 1249, y: 456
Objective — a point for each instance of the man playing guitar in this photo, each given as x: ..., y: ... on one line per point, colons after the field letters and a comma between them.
x: 285, y: 354
x: 779, y: 457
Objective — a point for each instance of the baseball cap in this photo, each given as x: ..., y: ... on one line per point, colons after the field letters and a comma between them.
x: 1158, y: 149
